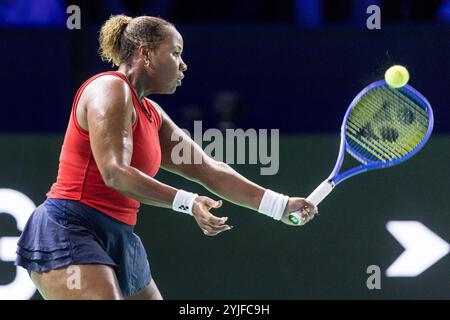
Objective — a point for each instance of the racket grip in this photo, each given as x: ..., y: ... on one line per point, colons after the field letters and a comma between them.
x: 315, y: 197
x: 321, y: 192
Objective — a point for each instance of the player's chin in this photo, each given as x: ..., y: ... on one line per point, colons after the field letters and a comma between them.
x: 171, y: 89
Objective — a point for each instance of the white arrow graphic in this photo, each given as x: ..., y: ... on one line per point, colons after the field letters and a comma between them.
x: 422, y: 248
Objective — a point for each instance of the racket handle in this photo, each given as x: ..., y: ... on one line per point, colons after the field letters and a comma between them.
x: 321, y: 192
x: 315, y: 197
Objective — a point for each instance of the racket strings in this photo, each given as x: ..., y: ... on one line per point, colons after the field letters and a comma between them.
x: 366, y: 148
x: 410, y: 116
x: 421, y: 111
x: 406, y: 139
x: 386, y: 125
x: 389, y: 133
x: 381, y: 152
x: 363, y: 143
x: 407, y: 115
x: 399, y: 148
x: 383, y: 124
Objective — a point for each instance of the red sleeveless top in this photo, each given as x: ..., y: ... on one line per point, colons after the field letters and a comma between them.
x: 78, y: 176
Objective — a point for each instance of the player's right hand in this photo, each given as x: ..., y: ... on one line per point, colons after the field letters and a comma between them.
x: 209, y: 223
x: 304, y: 208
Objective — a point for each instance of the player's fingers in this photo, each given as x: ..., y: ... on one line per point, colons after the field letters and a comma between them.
x: 208, y: 218
x: 209, y: 231
x: 308, y: 213
x: 219, y: 228
x: 310, y: 208
x: 216, y: 221
x: 213, y: 204
x: 305, y: 219
x: 223, y: 228
x: 207, y: 228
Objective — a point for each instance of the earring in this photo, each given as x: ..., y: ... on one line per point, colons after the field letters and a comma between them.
x: 146, y: 63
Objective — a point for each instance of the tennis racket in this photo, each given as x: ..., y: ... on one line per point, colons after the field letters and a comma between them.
x: 382, y: 127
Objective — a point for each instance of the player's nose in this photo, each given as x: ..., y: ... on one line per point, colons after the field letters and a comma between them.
x: 183, y: 66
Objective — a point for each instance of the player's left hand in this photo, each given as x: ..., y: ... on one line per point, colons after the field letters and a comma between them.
x: 306, y: 208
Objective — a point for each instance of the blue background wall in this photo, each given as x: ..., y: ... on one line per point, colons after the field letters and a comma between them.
x: 288, y: 78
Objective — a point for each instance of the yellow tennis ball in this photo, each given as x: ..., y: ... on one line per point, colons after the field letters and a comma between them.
x: 396, y: 76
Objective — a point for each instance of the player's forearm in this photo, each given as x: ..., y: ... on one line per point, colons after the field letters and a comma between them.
x: 137, y: 185
x: 225, y: 182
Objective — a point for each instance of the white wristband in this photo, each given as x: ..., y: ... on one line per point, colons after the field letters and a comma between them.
x: 273, y: 204
x: 183, y: 201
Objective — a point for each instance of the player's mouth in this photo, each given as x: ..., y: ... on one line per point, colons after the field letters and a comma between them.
x: 179, y: 80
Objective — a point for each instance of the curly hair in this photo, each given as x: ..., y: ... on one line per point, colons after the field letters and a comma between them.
x: 120, y: 35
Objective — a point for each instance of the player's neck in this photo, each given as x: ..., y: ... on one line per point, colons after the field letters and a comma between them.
x: 135, y: 77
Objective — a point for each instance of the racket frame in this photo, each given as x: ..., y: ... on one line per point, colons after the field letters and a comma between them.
x: 368, y: 165
x: 335, y: 178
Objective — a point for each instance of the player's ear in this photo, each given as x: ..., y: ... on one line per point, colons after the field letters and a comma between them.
x: 146, y: 55
x: 143, y: 50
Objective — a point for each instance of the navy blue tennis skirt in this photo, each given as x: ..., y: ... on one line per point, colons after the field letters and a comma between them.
x: 61, y: 232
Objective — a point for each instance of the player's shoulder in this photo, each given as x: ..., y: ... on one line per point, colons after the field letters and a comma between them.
x: 158, y: 108
x: 107, y: 85
x: 108, y: 81
x: 154, y: 103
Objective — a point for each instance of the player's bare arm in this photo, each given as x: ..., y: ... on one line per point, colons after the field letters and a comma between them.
x: 219, y: 177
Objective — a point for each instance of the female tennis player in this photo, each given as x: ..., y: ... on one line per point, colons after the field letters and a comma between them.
x: 115, y: 142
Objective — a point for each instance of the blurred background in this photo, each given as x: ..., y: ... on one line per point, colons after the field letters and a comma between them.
x: 292, y: 65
